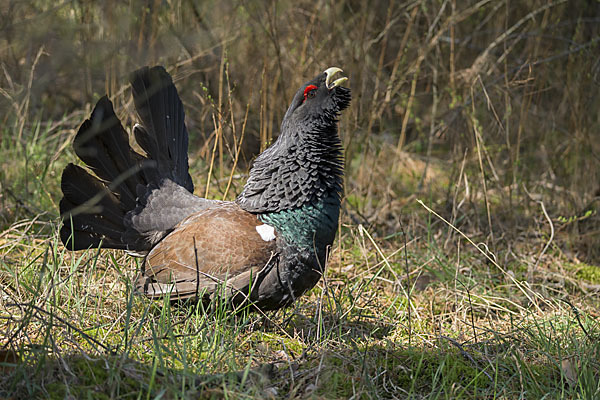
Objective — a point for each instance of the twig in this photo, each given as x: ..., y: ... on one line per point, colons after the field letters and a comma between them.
x: 577, y: 317
x: 478, y: 140
x: 471, y: 307
x: 68, y: 324
x: 541, y: 203
x: 408, y: 286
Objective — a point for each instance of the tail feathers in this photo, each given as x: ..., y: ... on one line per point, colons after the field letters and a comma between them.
x: 162, y: 133
x: 113, y: 208
x: 90, y: 231
x: 103, y: 145
x: 91, y: 213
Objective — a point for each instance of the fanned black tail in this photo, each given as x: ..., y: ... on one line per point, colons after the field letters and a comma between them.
x: 109, y: 208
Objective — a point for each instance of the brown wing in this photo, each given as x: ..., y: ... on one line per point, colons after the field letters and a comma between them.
x: 206, y: 249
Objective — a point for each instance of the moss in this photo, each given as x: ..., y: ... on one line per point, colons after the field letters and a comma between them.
x: 62, y: 390
x: 56, y: 391
x: 275, y: 343
x: 94, y: 379
x: 590, y: 273
x: 422, y: 369
x: 90, y: 370
x: 338, y: 379
x: 415, y: 370
x: 338, y: 385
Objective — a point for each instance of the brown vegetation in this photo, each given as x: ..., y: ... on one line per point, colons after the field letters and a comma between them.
x: 487, y: 111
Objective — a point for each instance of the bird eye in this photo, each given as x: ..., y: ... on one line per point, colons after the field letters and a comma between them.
x: 310, y: 92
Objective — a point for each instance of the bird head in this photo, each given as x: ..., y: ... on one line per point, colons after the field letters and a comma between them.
x: 319, y: 101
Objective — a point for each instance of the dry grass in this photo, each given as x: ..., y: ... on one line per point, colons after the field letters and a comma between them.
x: 467, y: 260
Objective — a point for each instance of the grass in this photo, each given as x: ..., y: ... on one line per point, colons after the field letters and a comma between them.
x: 73, y: 327
x: 466, y: 263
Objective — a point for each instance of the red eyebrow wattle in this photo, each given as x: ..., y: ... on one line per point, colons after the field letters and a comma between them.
x: 308, y: 89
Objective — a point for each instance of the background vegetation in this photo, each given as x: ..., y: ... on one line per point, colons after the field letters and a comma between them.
x: 467, y: 260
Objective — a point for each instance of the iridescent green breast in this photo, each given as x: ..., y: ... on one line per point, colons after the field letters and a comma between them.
x: 309, y: 226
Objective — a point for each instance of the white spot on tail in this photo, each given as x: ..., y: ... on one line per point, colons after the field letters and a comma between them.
x: 266, y: 232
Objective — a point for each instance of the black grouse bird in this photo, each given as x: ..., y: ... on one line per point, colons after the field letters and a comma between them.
x: 268, y: 247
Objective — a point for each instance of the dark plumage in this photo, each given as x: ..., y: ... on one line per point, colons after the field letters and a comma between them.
x: 268, y: 247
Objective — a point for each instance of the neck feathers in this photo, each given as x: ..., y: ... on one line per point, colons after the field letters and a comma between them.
x: 303, y: 167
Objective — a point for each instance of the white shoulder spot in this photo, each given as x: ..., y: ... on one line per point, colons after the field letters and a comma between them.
x: 266, y: 232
